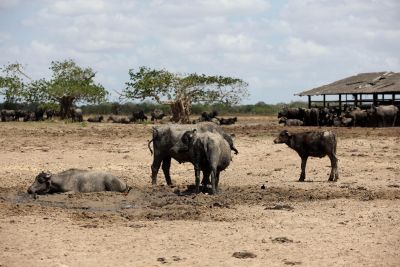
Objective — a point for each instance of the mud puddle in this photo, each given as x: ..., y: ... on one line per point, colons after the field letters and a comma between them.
x: 153, y: 203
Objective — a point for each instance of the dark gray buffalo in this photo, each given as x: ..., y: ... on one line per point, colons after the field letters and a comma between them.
x: 208, y: 152
x: 291, y: 113
x: 97, y: 118
x: 312, y: 144
x: 166, y: 136
x: 75, y: 180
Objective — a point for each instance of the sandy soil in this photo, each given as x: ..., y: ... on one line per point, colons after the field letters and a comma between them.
x: 263, y: 216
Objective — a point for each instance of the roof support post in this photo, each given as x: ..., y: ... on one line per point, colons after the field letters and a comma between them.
x: 324, y: 101
x: 309, y: 101
x: 360, y: 100
x: 340, y: 103
x: 393, y: 98
x: 375, y: 97
x: 355, y: 99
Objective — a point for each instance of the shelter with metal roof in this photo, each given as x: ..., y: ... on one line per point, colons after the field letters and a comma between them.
x: 378, y: 88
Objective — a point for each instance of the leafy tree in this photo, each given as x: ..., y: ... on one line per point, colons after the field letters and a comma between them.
x: 181, y: 91
x: 69, y: 84
x: 12, y: 82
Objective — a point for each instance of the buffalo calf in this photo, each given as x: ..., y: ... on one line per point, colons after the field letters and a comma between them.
x: 312, y: 144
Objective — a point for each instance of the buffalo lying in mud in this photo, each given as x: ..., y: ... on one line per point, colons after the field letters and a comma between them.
x: 75, y: 180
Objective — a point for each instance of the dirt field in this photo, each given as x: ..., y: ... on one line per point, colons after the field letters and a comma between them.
x: 262, y: 217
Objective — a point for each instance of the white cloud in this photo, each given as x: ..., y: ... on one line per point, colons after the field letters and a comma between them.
x: 271, y: 45
x: 300, y: 48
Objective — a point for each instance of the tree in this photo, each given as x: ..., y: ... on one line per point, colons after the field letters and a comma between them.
x: 69, y: 84
x: 12, y: 82
x: 181, y: 91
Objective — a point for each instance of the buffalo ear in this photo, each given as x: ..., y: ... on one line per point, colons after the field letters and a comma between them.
x: 155, y: 131
x: 287, y: 133
x: 47, y: 175
x: 192, y: 134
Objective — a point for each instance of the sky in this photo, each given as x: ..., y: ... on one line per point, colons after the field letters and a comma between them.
x: 278, y: 47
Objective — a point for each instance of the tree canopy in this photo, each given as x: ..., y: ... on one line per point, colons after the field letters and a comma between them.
x: 12, y: 82
x: 69, y: 84
x: 180, y: 91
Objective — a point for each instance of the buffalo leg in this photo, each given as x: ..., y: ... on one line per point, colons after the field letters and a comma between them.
x: 217, y: 181
x: 197, y: 178
x: 334, y: 171
x: 166, y: 165
x: 206, y: 179
x: 154, y: 169
x: 303, y: 169
x: 214, y: 181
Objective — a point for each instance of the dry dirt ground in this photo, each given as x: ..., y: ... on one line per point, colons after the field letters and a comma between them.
x: 262, y: 217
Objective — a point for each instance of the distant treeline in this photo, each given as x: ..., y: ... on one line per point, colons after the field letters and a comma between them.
x: 260, y: 108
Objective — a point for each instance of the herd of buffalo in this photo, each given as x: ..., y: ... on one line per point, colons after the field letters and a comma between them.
x: 208, y: 147
x: 368, y: 116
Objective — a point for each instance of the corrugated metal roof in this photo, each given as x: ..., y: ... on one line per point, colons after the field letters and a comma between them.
x: 364, y: 83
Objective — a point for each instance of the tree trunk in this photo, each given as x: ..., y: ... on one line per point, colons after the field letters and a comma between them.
x: 65, y: 106
x: 181, y: 110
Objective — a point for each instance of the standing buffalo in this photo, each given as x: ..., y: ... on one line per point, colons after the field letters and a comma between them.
x: 291, y: 113
x: 74, y: 180
x: 311, y: 117
x: 208, y: 152
x: 314, y: 144
x: 76, y: 114
x: 138, y: 116
x: 166, y: 136
x: 384, y: 115
x: 359, y: 117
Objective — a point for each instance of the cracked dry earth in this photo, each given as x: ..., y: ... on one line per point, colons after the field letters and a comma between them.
x: 262, y: 217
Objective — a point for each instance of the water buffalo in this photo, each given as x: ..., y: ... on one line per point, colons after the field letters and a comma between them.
x: 157, y: 114
x: 97, y: 118
x: 291, y: 113
x: 75, y: 180
x: 314, y: 144
x: 115, y: 119
x: 50, y: 113
x: 290, y: 122
x: 7, y: 115
x: 208, y: 152
x: 311, y: 116
x: 29, y: 116
x: 384, y: 115
x: 359, y: 117
x: 208, y: 116
x: 76, y: 114
x: 166, y: 136
x: 138, y: 116
x: 228, y: 121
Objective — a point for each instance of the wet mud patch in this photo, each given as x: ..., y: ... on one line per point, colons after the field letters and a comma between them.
x: 180, y: 203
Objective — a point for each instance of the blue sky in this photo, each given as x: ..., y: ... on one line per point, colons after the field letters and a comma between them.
x: 278, y: 47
